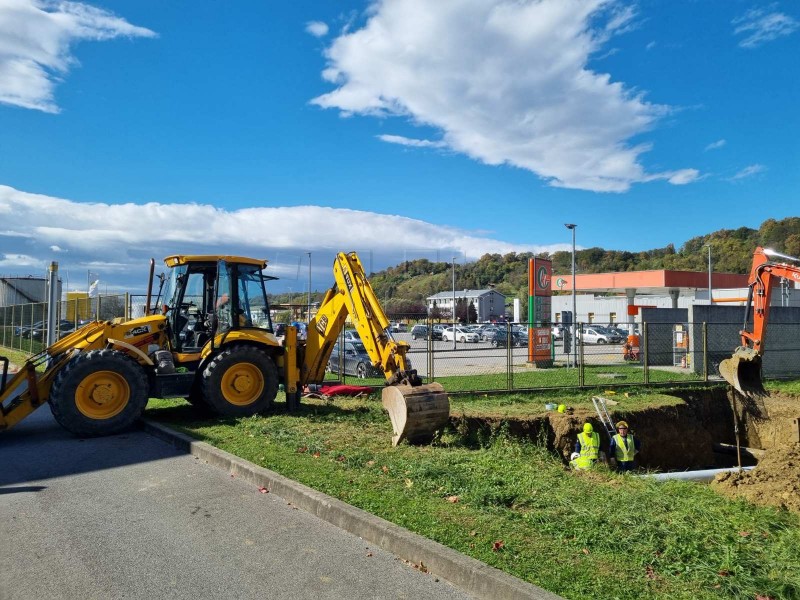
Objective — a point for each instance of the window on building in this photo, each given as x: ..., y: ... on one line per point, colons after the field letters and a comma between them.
x: 612, y: 318
x: 591, y: 317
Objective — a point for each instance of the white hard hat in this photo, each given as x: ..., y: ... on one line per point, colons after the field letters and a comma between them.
x: 574, y: 455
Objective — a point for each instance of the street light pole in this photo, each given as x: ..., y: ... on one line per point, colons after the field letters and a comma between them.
x: 573, y: 227
x: 454, y: 303
x: 308, y: 308
x: 709, y: 274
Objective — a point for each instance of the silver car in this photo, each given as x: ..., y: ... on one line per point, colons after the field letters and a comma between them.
x: 355, y: 359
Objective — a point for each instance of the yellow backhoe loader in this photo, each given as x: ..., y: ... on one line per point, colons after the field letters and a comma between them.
x: 210, y: 339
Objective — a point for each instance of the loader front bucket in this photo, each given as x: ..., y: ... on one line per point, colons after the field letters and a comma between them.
x: 743, y: 371
x: 417, y: 411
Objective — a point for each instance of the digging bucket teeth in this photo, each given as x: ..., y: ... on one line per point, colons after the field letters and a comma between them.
x: 743, y: 371
x: 417, y: 411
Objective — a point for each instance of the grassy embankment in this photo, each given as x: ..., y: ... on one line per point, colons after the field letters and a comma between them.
x: 513, y: 505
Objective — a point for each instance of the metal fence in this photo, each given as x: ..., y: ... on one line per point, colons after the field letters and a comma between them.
x: 499, y: 360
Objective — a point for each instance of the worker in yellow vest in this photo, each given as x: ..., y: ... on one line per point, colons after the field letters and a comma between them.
x: 587, y: 448
x: 624, y: 448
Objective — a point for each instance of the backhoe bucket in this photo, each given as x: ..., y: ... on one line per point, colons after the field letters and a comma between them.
x: 416, y: 412
x: 743, y: 371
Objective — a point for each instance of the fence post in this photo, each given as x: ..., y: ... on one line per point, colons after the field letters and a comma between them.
x: 429, y: 349
x: 645, y: 357
x: 579, y: 341
x: 509, y: 357
x: 705, y: 351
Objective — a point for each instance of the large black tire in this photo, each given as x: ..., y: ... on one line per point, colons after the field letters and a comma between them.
x: 361, y: 371
x: 100, y: 392
x: 240, y: 381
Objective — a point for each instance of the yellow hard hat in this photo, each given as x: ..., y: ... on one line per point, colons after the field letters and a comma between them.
x: 622, y: 424
x: 562, y: 408
x: 587, y: 428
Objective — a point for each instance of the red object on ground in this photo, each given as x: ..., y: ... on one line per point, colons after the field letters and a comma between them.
x: 344, y: 390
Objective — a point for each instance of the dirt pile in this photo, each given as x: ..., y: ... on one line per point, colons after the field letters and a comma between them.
x: 774, y: 482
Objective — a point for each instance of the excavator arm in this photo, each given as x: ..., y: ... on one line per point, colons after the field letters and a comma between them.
x: 352, y: 295
x: 743, y: 369
x: 416, y: 410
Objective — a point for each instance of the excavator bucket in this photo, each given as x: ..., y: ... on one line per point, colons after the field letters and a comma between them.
x: 743, y: 371
x: 417, y: 411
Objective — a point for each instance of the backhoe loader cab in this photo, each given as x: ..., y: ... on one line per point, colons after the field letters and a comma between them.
x: 208, y: 295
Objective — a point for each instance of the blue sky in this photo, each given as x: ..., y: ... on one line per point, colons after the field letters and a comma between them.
x: 399, y: 129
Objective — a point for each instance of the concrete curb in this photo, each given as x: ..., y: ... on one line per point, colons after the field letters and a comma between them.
x: 468, y: 574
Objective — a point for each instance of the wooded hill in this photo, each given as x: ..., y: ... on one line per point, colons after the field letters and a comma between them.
x: 403, y: 288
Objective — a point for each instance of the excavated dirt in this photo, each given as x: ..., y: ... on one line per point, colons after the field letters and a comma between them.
x: 775, y: 481
x: 682, y: 437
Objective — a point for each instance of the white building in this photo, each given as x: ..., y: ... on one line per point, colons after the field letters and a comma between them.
x: 489, y: 304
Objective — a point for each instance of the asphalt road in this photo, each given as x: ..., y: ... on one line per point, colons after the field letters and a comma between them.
x: 129, y: 516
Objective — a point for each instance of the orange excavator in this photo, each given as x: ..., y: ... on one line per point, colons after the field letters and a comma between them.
x: 743, y: 369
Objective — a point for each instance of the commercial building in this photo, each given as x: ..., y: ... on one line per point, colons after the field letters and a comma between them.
x: 489, y: 304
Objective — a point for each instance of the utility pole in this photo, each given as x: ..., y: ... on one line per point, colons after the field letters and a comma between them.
x: 573, y: 227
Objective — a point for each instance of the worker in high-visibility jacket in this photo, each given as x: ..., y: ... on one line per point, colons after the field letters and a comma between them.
x: 624, y: 448
x: 587, y: 447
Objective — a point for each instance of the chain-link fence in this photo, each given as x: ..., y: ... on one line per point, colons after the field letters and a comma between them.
x: 24, y: 326
x: 487, y: 357
x: 507, y: 356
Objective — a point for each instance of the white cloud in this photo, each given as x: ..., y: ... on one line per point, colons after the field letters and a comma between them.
x: 404, y: 141
x: 762, y: 25
x: 119, y: 239
x: 317, y: 28
x: 715, y: 145
x: 749, y: 171
x: 35, y: 42
x: 504, y: 81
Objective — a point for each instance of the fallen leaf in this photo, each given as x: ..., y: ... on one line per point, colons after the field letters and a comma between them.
x: 760, y: 597
x: 263, y: 490
x: 585, y: 551
x: 473, y: 533
x: 408, y: 482
x: 453, y: 499
x: 316, y: 455
x: 385, y: 469
x: 744, y: 533
x: 650, y: 573
x: 498, y: 545
x: 341, y: 458
x: 370, y: 463
x: 723, y: 573
x: 302, y: 449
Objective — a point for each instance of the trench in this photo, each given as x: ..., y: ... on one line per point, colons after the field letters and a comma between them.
x: 694, y: 435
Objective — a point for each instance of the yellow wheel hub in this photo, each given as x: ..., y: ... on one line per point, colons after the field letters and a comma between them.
x: 242, y: 384
x: 102, y: 395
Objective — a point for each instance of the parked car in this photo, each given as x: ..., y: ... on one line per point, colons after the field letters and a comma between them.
x: 502, y: 337
x: 38, y: 331
x: 437, y: 331
x: 488, y: 333
x: 460, y: 334
x: 558, y: 332
x: 419, y: 332
x: 24, y: 331
x: 595, y: 334
x: 398, y: 327
x: 356, y: 361
x: 351, y: 335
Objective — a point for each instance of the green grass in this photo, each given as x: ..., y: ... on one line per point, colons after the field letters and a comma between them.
x: 581, y: 535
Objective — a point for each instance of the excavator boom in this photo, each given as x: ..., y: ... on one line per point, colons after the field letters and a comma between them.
x: 416, y: 410
x: 743, y: 369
